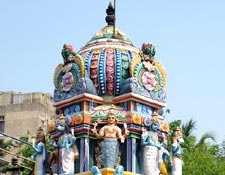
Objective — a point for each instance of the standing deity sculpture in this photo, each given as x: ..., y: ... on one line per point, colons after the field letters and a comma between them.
x: 177, y: 152
x: 163, y: 139
x: 65, y: 144
x: 163, y: 154
x: 40, y: 155
x: 110, y: 134
x: 54, y: 161
x: 151, y: 145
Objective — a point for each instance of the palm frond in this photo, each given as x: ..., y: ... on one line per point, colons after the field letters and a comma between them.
x: 205, y: 136
x: 188, y: 127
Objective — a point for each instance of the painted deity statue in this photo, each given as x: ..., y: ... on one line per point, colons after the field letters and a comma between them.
x: 110, y: 145
x: 163, y: 152
x: 65, y: 144
x: 40, y: 155
x: 151, y: 145
x: 54, y: 161
x: 177, y: 152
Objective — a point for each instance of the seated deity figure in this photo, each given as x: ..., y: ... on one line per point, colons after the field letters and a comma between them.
x: 40, y: 155
x: 177, y: 152
x: 65, y: 144
x: 150, y: 143
x: 110, y: 134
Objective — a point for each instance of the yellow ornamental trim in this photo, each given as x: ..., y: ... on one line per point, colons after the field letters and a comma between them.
x: 79, y: 61
x: 135, y: 60
x: 57, y: 69
x: 162, y: 71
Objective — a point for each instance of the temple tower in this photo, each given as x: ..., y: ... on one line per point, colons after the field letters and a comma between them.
x: 109, y: 72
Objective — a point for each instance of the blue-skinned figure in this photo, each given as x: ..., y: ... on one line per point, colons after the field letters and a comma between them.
x: 149, y: 141
x: 65, y: 144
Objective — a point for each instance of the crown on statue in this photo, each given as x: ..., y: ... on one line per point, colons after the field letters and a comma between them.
x: 177, y: 132
x: 154, y: 118
x: 62, y: 118
x: 112, y: 110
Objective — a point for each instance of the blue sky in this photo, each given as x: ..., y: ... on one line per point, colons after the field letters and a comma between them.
x: 189, y: 37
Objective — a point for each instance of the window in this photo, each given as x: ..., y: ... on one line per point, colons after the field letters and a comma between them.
x: 17, y: 98
x: 2, y: 123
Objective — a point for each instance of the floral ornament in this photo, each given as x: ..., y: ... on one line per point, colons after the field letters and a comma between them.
x: 149, y: 80
x: 147, y: 121
x: 67, y: 81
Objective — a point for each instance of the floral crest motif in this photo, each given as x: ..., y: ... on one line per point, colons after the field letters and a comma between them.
x: 149, y: 80
x: 67, y: 81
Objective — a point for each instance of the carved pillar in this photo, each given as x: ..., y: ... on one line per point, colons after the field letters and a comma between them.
x: 84, y: 154
x: 131, y: 154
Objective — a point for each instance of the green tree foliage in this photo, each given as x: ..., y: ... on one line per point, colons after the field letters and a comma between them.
x: 6, y: 145
x: 187, y: 130
x: 221, y: 152
x: 27, y: 151
x: 202, y: 160
x: 200, y: 157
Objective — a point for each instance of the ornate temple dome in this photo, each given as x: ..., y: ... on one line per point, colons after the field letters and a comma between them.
x: 109, y: 65
x: 107, y: 58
